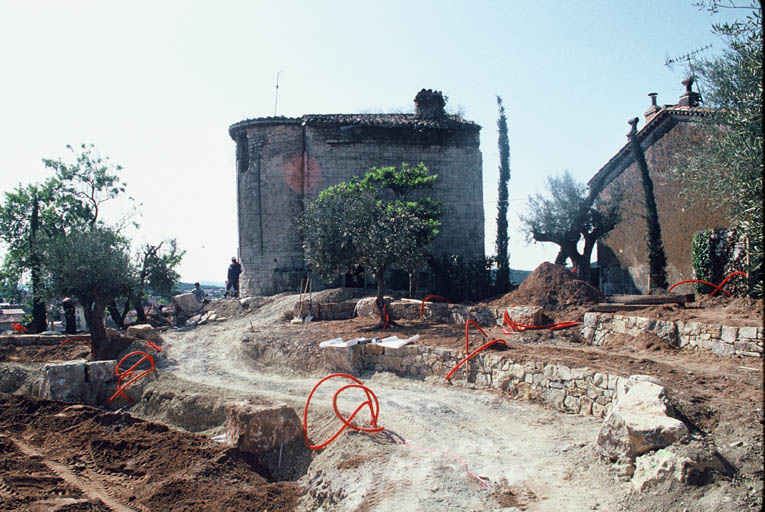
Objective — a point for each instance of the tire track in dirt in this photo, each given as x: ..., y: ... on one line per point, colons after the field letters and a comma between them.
x: 93, y: 490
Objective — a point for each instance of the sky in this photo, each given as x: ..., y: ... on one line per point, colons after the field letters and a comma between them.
x: 154, y: 85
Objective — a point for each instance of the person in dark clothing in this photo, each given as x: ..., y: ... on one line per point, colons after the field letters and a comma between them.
x: 232, y: 284
x: 70, y: 319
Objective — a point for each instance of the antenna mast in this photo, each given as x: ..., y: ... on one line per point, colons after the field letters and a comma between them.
x: 276, y: 96
x: 688, y: 57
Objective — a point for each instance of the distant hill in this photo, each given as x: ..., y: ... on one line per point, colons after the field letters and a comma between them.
x: 518, y: 276
x: 185, y: 287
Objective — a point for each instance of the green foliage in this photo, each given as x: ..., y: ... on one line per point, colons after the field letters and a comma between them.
x: 502, y: 284
x: 90, y: 265
x: 459, y: 280
x: 85, y: 184
x: 377, y: 223
x: 701, y: 259
x: 569, y: 214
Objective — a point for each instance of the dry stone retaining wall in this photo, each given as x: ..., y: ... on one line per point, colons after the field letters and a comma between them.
x: 722, y: 340
x: 573, y: 390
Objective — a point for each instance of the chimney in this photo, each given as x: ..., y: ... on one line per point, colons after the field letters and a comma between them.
x: 653, y: 109
x: 689, y: 98
x: 429, y: 104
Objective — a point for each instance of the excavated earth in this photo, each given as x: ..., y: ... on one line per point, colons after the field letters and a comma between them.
x: 444, y: 447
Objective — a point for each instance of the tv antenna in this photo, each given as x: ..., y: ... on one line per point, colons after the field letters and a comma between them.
x: 689, y: 57
x: 276, y: 96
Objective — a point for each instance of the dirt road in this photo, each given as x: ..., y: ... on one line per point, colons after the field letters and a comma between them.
x: 443, y: 446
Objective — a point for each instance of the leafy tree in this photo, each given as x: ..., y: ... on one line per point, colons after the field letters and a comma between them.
x: 93, y: 265
x: 568, y: 215
x: 375, y: 223
x: 502, y: 283
x: 657, y: 258
x: 28, y: 217
x: 727, y: 166
x: 153, y: 269
x: 85, y: 184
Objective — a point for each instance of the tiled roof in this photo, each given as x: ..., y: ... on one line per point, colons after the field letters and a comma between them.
x: 372, y: 120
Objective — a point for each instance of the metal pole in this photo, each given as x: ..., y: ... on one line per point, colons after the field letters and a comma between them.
x: 276, y: 97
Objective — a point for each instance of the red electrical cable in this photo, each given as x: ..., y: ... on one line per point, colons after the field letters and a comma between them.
x: 152, y: 345
x: 130, y: 371
x: 75, y: 338
x: 515, y: 326
x: 485, y: 345
x: 371, y: 403
x: 434, y: 297
x: 467, y: 333
x: 386, y: 325
x: 717, y: 287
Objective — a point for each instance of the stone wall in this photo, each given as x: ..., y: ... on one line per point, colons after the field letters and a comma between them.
x: 284, y: 163
x: 572, y: 390
x: 722, y: 340
x: 623, y: 254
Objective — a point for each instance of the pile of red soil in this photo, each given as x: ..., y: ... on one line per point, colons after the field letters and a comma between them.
x: 552, y: 287
x: 74, y: 457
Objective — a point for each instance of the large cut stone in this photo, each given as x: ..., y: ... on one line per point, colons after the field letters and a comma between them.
x: 367, y: 307
x: 344, y: 359
x: 63, y: 381
x: 145, y: 332
x: 639, y: 422
x: 256, y: 429
x: 525, y: 315
x: 186, y: 303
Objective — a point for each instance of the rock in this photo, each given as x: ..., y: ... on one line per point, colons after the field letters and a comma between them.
x: 257, y: 429
x: 624, y: 385
x: 687, y: 464
x: 524, y: 315
x: 344, y: 359
x: 145, y: 332
x: 186, y: 303
x: 63, y: 381
x: 639, y: 422
x: 368, y: 306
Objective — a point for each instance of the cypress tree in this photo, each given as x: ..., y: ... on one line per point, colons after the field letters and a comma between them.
x: 657, y: 260
x: 502, y: 283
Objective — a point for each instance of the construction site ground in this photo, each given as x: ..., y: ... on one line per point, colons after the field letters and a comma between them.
x: 444, y: 447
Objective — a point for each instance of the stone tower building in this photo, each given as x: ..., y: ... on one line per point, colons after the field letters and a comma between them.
x: 283, y: 163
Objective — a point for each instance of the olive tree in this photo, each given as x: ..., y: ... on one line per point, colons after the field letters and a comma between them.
x: 568, y: 215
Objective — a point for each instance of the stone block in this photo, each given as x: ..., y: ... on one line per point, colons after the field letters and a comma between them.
x: 722, y: 348
x: 343, y: 359
x: 256, y: 429
x: 145, y: 332
x: 371, y: 348
x: 186, y: 303
x: 63, y: 381
x: 526, y: 315
x: 391, y: 363
x: 747, y: 333
x: 100, y: 372
x: 728, y: 334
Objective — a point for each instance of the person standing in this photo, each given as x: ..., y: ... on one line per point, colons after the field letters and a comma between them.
x: 232, y: 283
x: 70, y: 318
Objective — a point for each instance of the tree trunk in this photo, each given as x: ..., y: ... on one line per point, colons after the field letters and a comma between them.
x: 114, y: 312
x: 39, y: 318
x: 380, y: 295
x: 139, y: 312
x: 98, y: 340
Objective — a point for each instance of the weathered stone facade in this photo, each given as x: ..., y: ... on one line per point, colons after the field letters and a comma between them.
x: 283, y: 163
x: 670, y: 132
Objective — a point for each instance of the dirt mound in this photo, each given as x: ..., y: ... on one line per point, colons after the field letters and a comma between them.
x: 552, y: 287
x: 71, y: 453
